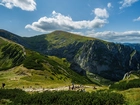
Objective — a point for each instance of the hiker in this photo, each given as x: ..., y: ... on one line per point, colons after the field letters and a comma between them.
x: 3, y: 84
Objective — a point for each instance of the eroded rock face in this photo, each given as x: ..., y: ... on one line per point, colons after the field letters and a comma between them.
x: 109, y: 60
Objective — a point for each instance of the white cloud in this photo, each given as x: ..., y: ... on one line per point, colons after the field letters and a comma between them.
x: 60, y: 22
x: 138, y: 19
x: 28, y: 5
x: 109, y: 5
x: 101, y: 13
x: 127, y: 3
x: 121, y: 37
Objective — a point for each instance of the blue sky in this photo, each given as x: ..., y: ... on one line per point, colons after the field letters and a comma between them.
x: 111, y: 20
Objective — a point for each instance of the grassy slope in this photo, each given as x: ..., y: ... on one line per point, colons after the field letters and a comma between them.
x: 52, y: 76
x: 20, y: 76
x: 35, y: 70
x: 60, y: 39
x: 133, y: 80
x: 11, y: 54
x: 131, y: 95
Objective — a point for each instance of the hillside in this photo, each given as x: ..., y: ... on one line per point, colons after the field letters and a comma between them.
x: 58, y: 43
x: 105, y: 59
x: 130, y: 80
x: 86, y: 55
x: 11, y: 54
x: 22, y: 67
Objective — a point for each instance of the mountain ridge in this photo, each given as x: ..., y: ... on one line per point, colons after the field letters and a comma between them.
x: 11, y: 54
x: 136, y: 46
x: 106, y: 59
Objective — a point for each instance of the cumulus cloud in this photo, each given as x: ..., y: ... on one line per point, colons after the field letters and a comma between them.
x: 28, y: 5
x: 138, y: 19
x: 101, y: 13
x: 109, y: 5
x: 121, y: 37
x: 61, y: 22
x: 127, y: 3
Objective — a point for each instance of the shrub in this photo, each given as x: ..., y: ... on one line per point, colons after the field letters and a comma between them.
x: 62, y: 98
x: 126, y: 85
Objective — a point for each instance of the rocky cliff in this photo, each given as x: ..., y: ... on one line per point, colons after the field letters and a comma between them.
x: 108, y: 60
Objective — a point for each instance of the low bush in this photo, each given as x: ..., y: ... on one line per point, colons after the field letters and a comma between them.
x: 135, y: 83
x: 19, y: 97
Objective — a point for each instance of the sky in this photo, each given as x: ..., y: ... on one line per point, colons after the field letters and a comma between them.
x: 111, y: 20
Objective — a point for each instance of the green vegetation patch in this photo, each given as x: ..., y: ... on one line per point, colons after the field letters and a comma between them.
x: 123, y: 85
x: 132, y: 96
x: 34, y: 61
x: 17, y: 97
x: 11, y: 54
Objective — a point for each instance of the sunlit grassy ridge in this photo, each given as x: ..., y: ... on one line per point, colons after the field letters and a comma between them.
x: 11, y: 54
x: 56, y: 39
x: 60, y: 39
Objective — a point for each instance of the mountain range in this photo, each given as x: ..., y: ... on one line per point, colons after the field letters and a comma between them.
x: 136, y: 46
x: 89, y: 57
